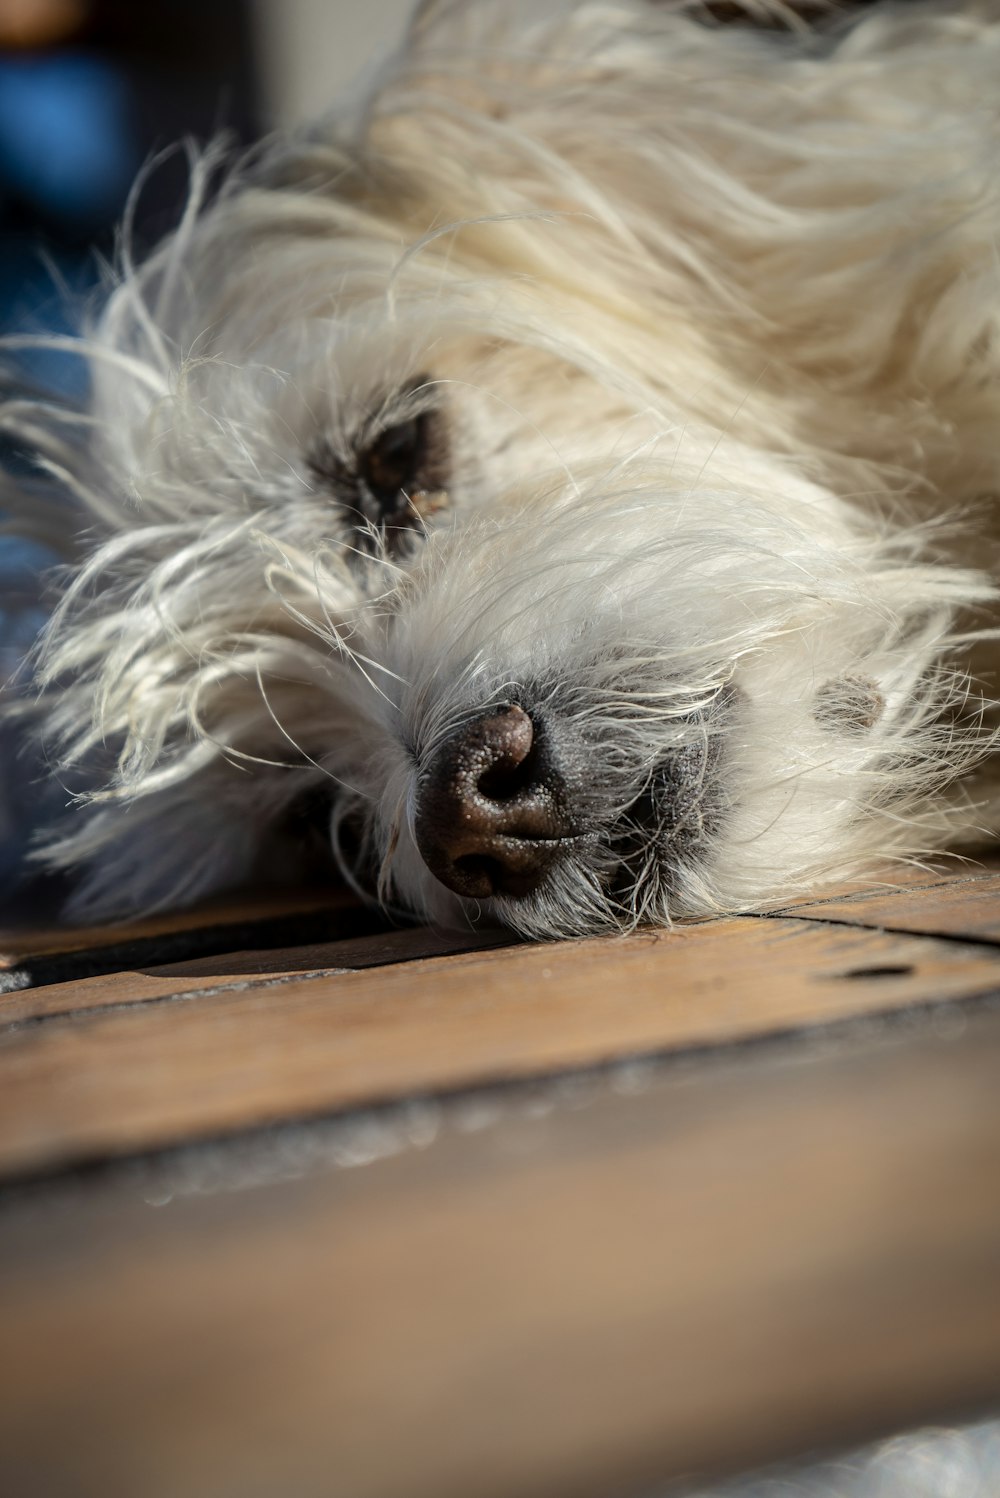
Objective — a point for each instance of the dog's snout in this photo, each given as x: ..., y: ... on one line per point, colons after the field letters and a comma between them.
x: 492, y: 808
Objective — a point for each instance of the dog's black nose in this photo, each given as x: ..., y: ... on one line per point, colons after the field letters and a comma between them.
x: 491, y: 808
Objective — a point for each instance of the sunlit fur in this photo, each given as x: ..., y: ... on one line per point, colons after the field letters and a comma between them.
x: 710, y: 316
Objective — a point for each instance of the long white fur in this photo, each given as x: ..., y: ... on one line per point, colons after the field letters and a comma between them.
x: 711, y: 314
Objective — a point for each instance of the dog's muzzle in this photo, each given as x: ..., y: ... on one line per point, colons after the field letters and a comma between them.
x: 493, y: 812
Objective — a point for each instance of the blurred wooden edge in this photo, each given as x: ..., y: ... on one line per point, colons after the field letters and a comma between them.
x: 744, y: 1261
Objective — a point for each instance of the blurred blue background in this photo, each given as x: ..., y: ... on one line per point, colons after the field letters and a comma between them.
x: 89, y: 92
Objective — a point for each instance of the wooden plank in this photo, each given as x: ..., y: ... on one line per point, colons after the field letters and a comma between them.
x: 966, y: 906
x: 744, y: 1261
x: 108, y: 1082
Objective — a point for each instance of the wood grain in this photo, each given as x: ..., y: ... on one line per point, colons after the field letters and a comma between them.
x: 750, y: 1258
x: 247, y: 1052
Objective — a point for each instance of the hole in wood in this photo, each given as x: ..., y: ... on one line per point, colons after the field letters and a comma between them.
x: 886, y: 970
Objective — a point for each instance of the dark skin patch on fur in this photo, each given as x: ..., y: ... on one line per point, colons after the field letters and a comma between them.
x: 849, y: 704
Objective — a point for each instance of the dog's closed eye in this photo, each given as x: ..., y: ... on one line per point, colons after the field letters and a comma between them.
x: 396, y: 477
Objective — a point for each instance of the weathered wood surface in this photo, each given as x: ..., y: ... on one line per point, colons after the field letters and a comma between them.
x: 674, y: 1203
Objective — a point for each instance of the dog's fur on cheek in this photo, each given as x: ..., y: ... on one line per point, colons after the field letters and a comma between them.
x: 699, y: 329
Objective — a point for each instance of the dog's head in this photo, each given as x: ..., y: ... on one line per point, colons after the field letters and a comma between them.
x: 405, y: 502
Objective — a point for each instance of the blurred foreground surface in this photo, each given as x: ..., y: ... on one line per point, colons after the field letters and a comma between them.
x: 296, y: 1203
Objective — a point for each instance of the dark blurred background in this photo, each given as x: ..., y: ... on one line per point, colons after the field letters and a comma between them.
x: 91, y: 93
x: 91, y: 90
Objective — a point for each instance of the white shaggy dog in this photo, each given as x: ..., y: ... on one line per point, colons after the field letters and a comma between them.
x: 570, y: 477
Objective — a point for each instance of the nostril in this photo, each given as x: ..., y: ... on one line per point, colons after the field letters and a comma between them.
x: 475, y: 875
x: 505, y: 780
x: 497, y: 785
x: 476, y: 866
x: 516, y: 868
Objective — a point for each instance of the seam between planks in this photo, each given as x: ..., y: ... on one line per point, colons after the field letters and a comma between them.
x: 182, y: 996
